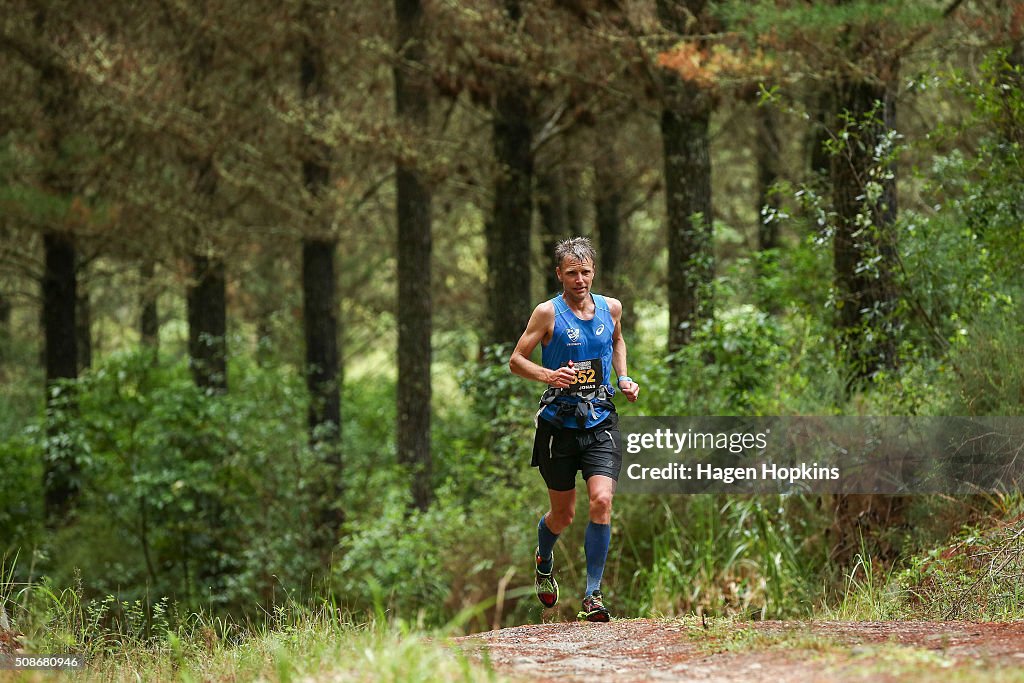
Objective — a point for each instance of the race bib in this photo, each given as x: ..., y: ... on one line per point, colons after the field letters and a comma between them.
x: 588, y: 376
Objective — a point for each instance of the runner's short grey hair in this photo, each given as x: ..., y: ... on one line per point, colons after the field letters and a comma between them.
x: 576, y: 248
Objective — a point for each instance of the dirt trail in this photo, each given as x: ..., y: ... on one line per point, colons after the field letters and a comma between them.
x: 683, y: 650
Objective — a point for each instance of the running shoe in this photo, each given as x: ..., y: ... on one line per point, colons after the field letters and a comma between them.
x: 547, y: 587
x: 594, y: 609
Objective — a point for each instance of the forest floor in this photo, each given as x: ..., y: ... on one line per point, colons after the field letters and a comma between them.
x: 724, y: 651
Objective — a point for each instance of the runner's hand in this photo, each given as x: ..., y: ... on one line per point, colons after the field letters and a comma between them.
x: 630, y: 389
x: 562, y: 377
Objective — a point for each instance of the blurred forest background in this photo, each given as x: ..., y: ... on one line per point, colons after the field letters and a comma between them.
x: 262, y: 265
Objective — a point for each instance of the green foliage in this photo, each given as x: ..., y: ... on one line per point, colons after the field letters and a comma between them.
x: 751, y: 556
x: 502, y: 399
x: 973, y: 574
x: 786, y: 24
x: 392, y: 563
x: 432, y: 565
x: 154, y: 641
x: 730, y: 362
x: 21, y: 495
x: 182, y: 489
x: 986, y: 375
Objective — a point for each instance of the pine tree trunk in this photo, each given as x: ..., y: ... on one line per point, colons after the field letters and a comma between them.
x: 323, y: 382
x: 5, y: 328
x: 83, y: 328
x: 864, y: 258
x: 509, y: 301
x: 207, y: 323
x: 61, y: 471
x: 415, y: 303
x: 321, y: 331
x: 320, y: 306
x: 206, y: 296
x: 822, y: 110
x: 573, y: 204
x: 685, y: 119
x: 554, y: 218
x: 768, y: 153
x: 608, y: 220
x: 691, y: 261
x: 149, y: 320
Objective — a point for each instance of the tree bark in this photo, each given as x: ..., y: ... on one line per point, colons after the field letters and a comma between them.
x: 685, y: 119
x: 61, y: 470
x: 573, y: 203
x: 509, y: 302
x: 608, y: 220
x: 864, y: 244
x: 415, y: 307
x: 323, y: 382
x: 553, y: 208
x: 822, y: 109
x: 5, y: 328
x: 83, y: 328
x: 206, y: 296
x: 149, y: 320
x: 321, y: 330
x: 691, y: 261
x: 207, y: 323
x: 768, y: 152
x: 320, y: 307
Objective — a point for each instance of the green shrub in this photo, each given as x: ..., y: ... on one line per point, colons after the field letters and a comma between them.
x: 731, y: 361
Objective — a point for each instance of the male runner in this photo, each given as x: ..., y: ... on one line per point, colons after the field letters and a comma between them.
x: 577, y: 426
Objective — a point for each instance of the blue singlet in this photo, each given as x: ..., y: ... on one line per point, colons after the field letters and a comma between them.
x: 588, y: 344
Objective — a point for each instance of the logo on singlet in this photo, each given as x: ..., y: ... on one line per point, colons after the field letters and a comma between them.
x: 599, y: 330
x: 573, y: 333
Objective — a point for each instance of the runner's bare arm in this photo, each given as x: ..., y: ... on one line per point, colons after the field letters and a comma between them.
x: 630, y: 389
x: 538, y: 330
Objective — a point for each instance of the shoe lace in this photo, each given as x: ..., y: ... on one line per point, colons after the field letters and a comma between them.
x: 594, y: 601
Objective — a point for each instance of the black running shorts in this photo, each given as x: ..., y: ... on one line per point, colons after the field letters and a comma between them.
x: 561, y: 453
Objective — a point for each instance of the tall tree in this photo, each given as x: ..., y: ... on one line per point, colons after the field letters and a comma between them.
x: 685, y: 119
x: 508, y: 230
x: 319, y: 287
x: 5, y: 317
x: 817, y: 137
x: 768, y: 151
x: 553, y: 208
x: 864, y: 198
x: 611, y: 187
x: 853, y: 132
x: 206, y: 296
x: 413, y: 208
x: 149, y: 319
x: 608, y: 208
x: 59, y: 97
x: 83, y: 319
x: 61, y: 472
x: 206, y: 301
x: 5, y: 332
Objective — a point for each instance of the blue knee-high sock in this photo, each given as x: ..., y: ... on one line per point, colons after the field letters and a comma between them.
x: 595, y: 543
x: 545, y: 544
